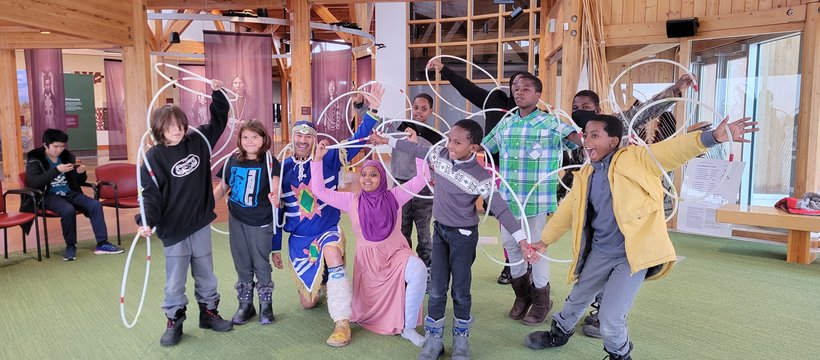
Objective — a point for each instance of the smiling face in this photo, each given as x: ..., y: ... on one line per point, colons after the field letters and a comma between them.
x: 421, y: 109
x: 459, y: 145
x: 597, y: 143
x: 303, y: 144
x: 251, y: 143
x: 369, y: 179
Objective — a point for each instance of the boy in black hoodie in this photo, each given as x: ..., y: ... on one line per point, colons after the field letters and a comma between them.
x: 55, y: 171
x: 179, y: 202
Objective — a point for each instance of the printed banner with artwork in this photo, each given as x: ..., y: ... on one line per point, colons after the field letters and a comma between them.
x: 115, y: 113
x: 45, y: 78
x: 195, y: 105
x: 243, y: 62
x: 331, y: 75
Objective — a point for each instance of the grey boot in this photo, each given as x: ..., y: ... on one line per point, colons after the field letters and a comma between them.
x: 173, y: 329
x: 433, y: 345
x: 265, y: 303
x: 246, y: 311
x: 592, y: 326
x: 461, y: 338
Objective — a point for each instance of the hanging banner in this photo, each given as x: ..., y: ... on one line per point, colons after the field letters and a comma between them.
x: 243, y: 62
x: 115, y: 110
x: 81, y: 121
x: 364, y: 70
x: 45, y: 77
x: 195, y: 105
x: 25, y: 111
x: 331, y: 75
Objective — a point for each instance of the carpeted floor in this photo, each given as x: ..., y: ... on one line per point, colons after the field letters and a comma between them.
x: 725, y: 300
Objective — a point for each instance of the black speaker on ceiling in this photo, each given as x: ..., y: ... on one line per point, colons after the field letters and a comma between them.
x: 174, y: 39
x: 677, y: 28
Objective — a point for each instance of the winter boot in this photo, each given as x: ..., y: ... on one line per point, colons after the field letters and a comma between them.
x: 523, y: 297
x: 173, y: 329
x: 612, y: 356
x: 265, y: 303
x: 246, y: 311
x: 433, y: 345
x: 210, y: 319
x: 461, y: 338
x: 541, y: 305
x: 546, y: 339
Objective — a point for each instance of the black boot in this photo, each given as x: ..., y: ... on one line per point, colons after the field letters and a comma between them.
x: 505, y: 277
x: 173, y: 329
x: 592, y: 326
x: 246, y: 311
x: 265, y: 303
x: 546, y: 339
x: 612, y: 356
x: 210, y: 319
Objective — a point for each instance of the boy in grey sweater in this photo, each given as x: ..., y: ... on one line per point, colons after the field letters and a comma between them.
x: 459, y: 180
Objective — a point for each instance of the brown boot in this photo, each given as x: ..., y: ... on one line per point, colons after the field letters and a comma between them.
x: 541, y: 305
x: 523, y: 297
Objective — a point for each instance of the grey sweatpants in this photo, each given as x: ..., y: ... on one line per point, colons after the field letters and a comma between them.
x: 194, y: 251
x: 613, y: 276
x: 250, y: 248
x: 540, y: 268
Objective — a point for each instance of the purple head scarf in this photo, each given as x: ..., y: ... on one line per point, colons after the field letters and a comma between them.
x: 378, y: 208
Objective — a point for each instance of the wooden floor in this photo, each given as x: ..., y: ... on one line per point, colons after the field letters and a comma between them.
x: 127, y: 224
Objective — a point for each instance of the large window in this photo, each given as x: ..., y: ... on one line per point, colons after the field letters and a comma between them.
x: 477, y: 30
x: 757, y: 77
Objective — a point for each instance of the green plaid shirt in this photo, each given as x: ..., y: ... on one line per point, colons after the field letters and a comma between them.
x: 529, y: 148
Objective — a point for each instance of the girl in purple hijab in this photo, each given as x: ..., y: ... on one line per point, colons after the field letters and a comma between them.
x: 389, y: 280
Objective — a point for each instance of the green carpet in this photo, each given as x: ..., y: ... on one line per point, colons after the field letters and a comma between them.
x: 726, y: 300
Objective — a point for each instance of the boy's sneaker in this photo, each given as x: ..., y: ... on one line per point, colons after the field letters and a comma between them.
x: 70, y: 253
x: 106, y: 247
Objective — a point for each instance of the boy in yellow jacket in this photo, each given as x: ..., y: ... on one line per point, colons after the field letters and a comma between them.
x: 616, y: 214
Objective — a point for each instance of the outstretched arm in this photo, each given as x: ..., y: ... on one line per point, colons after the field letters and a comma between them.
x: 339, y: 200
x: 415, y: 184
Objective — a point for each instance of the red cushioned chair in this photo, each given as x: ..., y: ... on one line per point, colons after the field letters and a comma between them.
x: 117, y: 188
x: 9, y: 219
x: 40, y: 205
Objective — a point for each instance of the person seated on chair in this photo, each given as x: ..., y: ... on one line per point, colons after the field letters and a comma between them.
x: 55, y: 171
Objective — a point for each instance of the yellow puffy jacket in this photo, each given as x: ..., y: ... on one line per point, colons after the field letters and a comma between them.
x: 637, y: 201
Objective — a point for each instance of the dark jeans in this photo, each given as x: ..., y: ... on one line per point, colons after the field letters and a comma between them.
x: 67, y: 206
x: 419, y: 212
x: 453, y: 256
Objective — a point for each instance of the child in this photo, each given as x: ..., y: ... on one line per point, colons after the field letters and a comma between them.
x: 459, y: 180
x: 251, y: 220
x: 616, y: 212
x: 530, y: 143
x: 179, y: 202
x: 384, y: 263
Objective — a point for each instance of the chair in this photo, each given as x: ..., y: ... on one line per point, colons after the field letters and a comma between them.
x: 40, y: 205
x: 117, y: 188
x: 9, y: 219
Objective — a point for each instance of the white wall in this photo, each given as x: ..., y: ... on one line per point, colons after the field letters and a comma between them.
x: 391, y: 62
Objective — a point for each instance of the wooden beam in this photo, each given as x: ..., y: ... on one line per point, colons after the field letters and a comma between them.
x: 329, y: 18
x: 572, y: 57
x: 96, y: 20
x: 10, y: 118
x: 731, y: 25
x: 807, y: 176
x: 300, y: 60
x: 285, y: 108
x: 643, y: 52
x: 684, y: 58
x: 249, y: 4
x: 137, y: 70
x: 178, y: 26
x: 218, y: 24
x: 35, y: 40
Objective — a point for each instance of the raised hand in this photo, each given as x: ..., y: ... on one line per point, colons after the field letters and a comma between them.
x: 738, y: 129
x: 685, y: 82
x: 321, y: 150
x: 376, y: 138
x: 412, y: 136
x: 435, y: 64
x: 374, y: 96
x: 216, y: 84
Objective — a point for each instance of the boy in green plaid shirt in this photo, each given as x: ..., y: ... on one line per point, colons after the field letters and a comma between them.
x: 530, y: 143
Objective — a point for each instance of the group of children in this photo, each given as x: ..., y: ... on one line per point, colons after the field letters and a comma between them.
x: 621, y: 235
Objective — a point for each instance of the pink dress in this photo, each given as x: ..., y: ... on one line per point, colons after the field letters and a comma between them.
x: 378, y: 269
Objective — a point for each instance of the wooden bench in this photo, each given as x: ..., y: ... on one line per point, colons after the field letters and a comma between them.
x: 799, y: 226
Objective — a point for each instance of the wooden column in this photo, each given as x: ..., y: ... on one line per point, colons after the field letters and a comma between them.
x: 571, y: 69
x: 543, y: 72
x: 10, y: 118
x: 684, y: 56
x: 285, y: 124
x: 808, y: 124
x: 300, y: 60
x: 137, y: 66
